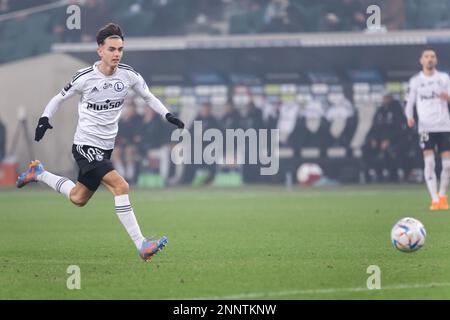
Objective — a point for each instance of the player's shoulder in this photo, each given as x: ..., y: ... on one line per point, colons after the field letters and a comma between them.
x: 126, y: 68
x: 443, y: 75
x: 414, y: 81
x: 81, y: 73
x: 415, y: 78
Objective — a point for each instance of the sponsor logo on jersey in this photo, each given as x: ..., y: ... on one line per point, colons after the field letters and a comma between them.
x: 119, y: 86
x: 107, y: 85
x: 107, y: 105
x: 432, y: 96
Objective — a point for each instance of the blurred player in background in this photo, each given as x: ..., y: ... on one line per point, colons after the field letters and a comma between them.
x: 429, y: 91
x: 103, y: 88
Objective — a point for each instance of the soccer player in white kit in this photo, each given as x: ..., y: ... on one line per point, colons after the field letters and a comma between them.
x: 103, y: 88
x: 429, y: 90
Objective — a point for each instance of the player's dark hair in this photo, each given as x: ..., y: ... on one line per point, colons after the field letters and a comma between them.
x: 110, y: 30
x: 428, y: 48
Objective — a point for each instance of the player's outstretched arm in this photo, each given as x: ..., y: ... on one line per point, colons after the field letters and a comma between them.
x: 410, y: 102
x: 174, y: 120
x: 69, y: 90
x: 42, y: 126
x: 141, y: 88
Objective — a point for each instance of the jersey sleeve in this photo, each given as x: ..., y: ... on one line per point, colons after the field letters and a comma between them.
x: 140, y: 87
x: 71, y: 88
x: 447, y: 87
x: 411, y: 99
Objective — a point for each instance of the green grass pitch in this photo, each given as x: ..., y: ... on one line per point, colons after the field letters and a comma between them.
x: 249, y: 243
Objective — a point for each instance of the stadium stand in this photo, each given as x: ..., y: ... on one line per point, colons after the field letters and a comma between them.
x: 324, y: 111
x: 20, y: 24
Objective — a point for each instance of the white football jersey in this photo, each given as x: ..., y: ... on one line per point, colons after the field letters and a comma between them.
x: 101, y: 102
x: 432, y: 111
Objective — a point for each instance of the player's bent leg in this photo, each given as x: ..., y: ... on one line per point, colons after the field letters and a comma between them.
x: 115, y: 183
x: 80, y: 195
x: 151, y: 247
x: 430, y: 178
x: 119, y: 188
x: 445, y: 179
x: 36, y: 172
x: 35, y: 168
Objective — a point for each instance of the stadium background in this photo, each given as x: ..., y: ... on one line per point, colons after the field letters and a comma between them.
x: 320, y: 82
x: 254, y: 241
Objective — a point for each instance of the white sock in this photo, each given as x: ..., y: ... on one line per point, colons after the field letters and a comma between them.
x: 59, y: 184
x: 128, y: 220
x: 445, y: 177
x: 430, y: 176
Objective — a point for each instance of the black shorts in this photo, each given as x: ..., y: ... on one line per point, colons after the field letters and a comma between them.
x: 94, y: 163
x: 431, y: 140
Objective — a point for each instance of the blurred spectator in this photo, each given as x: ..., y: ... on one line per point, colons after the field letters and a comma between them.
x: 202, y: 173
x: 2, y: 140
x: 170, y: 16
x: 270, y: 113
x: 231, y: 118
x: 246, y: 16
x: 125, y: 156
x: 287, y: 121
x: 253, y: 119
x: 384, y: 147
x: 313, y: 130
x: 153, y: 131
x: 135, y: 16
x: 94, y: 14
x: 58, y: 26
x: 343, y: 121
x: 344, y: 15
x: 423, y: 14
x: 276, y: 17
x: 310, y: 12
x: 203, y: 25
x: 206, y: 117
x: 35, y: 33
x: 392, y: 12
x: 154, y: 146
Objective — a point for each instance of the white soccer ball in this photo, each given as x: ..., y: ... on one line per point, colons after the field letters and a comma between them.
x: 309, y: 173
x: 408, y: 235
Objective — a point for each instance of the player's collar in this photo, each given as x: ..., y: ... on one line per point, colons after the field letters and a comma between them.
x: 95, y: 66
x: 427, y: 77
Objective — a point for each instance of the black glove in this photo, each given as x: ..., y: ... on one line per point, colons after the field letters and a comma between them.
x: 42, y: 126
x: 174, y: 120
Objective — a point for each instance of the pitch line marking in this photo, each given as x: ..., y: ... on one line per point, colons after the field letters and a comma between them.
x: 255, y: 295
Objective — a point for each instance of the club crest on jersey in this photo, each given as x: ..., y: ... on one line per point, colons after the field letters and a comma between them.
x: 119, y: 86
x: 99, y: 157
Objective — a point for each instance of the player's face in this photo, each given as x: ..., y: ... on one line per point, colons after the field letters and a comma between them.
x: 111, y: 52
x: 428, y: 60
